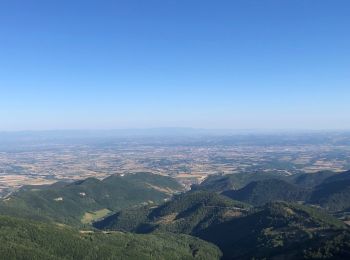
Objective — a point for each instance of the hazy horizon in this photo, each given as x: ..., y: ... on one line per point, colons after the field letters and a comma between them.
x: 166, y: 131
x: 257, y: 130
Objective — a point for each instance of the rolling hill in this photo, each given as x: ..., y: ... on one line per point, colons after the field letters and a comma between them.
x: 333, y: 193
x: 311, y: 180
x: 343, y: 176
x: 327, y: 189
x: 221, y: 183
x: 276, y: 230
x: 162, y: 220
x: 187, y: 213
x: 261, y: 192
x: 333, y: 196
x: 280, y: 231
x: 84, y: 201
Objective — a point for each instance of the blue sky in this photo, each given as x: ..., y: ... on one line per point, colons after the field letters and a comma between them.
x: 186, y: 63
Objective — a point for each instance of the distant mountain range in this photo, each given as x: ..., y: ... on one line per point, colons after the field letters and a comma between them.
x: 216, y: 136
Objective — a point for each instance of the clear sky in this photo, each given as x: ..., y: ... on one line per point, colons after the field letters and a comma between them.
x: 246, y: 64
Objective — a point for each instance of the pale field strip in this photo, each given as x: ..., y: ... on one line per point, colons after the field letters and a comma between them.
x: 20, y: 180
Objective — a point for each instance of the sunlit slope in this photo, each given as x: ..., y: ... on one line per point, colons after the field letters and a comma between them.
x: 69, y: 203
x: 23, y: 239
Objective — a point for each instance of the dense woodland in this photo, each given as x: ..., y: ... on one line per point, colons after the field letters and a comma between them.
x: 22, y: 239
x: 146, y: 216
x: 68, y: 202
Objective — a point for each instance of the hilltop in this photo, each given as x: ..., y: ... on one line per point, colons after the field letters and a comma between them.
x: 221, y: 183
x: 311, y: 180
x: 261, y: 192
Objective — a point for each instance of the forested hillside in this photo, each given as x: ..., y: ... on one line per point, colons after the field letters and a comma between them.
x: 187, y: 213
x: 281, y: 230
x: 261, y: 192
x: 82, y: 201
x: 333, y: 196
x: 23, y: 239
x: 255, y: 221
x: 221, y: 183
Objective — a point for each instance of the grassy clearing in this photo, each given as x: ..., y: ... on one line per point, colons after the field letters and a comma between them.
x: 90, y: 217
